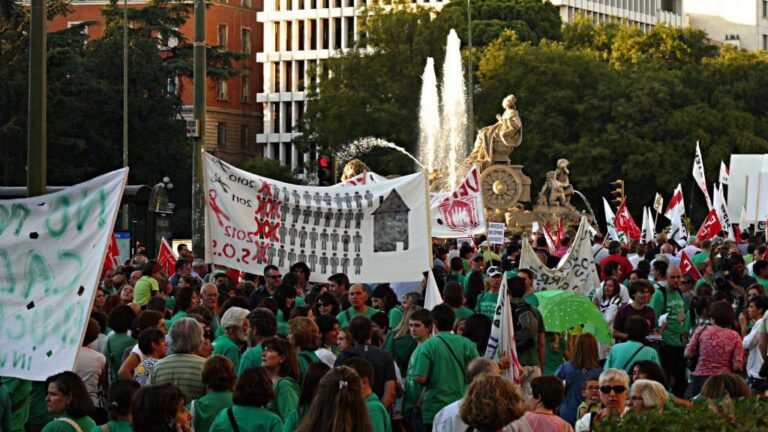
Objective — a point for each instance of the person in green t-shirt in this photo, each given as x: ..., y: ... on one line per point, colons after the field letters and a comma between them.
x: 262, y: 325
x: 357, y: 299
x: 186, y: 299
x: 309, y: 384
x: 625, y: 354
x: 252, y: 393
x: 760, y: 269
x: 453, y: 295
x: 440, y: 363
x: 120, y: 396
x: 236, y: 328
x: 477, y: 265
x: 527, y: 276
x: 219, y: 379
x: 384, y: 299
x: 69, y: 401
x: 456, y: 272
x: 279, y: 359
x: 339, y: 391
x: 379, y: 416
x: 486, y: 302
x: 305, y: 336
x: 668, y: 300
x: 420, y: 325
x: 120, y: 321
x: 147, y: 286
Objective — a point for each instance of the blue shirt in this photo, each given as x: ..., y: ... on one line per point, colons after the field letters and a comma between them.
x: 574, y: 381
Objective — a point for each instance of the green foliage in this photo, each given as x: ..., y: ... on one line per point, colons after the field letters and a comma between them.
x: 724, y: 415
x: 270, y: 169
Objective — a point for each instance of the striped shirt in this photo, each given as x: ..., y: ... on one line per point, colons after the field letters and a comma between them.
x: 183, y: 370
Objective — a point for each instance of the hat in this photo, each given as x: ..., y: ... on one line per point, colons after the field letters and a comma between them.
x: 233, y: 317
x: 493, y: 271
x: 477, y: 257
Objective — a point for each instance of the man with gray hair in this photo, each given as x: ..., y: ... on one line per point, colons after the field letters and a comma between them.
x: 448, y: 418
x: 210, y: 298
x: 262, y: 325
x: 183, y: 368
x: 235, y: 325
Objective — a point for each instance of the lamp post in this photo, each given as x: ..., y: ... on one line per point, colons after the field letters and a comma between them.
x: 470, y: 110
x: 36, y: 125
x: 125, y: 216
x: 199, y: 75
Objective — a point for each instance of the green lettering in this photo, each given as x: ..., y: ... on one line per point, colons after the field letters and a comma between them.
x: 18, y: 360
x: 5, y: 262
x: 15, y: 210
x: 22, y: 327
x: 71, y: 285
x: 61, y: 205
x: 5, y: 218
x: 85, y: 207
x: 3, y: 359
x: 38, y: 272
x: 43, y: 328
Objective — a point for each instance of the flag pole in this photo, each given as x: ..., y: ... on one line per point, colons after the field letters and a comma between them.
x: 430, y: 258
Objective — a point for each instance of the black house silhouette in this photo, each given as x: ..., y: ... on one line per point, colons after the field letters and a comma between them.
x: 390, y: 223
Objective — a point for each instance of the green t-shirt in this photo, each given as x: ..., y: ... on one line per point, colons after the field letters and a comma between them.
x: 20, y: 389
x: 170, y: 302
x: 282, y: 324
x: 286, y: 397
x: 251, y: 357
x: 177, y: 316
x: 208, y: 407
x: 249, y: 419
x: 401, y: 350
x: 552, y: 359
x: 121, y: 425
x: 763, y: 282
x: 621, y: 354
x: 305, y: 358
x: 467, y: 274
x: 143, y: 290
x: 114, y: 348
x: 86, y: 424
x: 699, y: 257
x: 292, y: 421
x: 437, y: 359
x: 674, y: 306
x: 37, y: 408
x: 458, y: 277
x: 379, y: 416
x: 486, y: 304
x: 344, y: 317
x: 412, y: 388
x: 463, y: 312
x: 532, y: 300
x: 225, y: 346
x: 395, y: 316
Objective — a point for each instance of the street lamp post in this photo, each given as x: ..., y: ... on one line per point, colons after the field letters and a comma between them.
x: 199, y: 75
x: 36, y: 125
x: 470, y: 104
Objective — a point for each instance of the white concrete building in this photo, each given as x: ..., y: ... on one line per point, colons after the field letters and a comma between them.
x: 299, y: 34
x: 743, y: 23
x: 643, y: 14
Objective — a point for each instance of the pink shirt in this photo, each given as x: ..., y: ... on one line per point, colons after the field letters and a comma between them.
x: 541, y: 422
x: 720, y: 350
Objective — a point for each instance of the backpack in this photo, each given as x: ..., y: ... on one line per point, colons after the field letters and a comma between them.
x: 526, y: 326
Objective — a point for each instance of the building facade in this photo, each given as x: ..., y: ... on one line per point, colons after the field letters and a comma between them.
x: 643, y: 14
x: 233, y: 117
x: 742, y: 23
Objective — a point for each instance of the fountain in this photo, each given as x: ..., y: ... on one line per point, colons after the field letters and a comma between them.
x: 454, y: 111
x: 364, y: 145
x: 429, y: 118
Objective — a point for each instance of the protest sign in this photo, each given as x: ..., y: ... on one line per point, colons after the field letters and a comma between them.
x: 623, y: 222
x: 496, y: 232
x: 166, y: 257
x: 52, y: 249
x: 373, y: 232
x: 575, y: 272
x: 710, y: 227
x: 459, y: 213
x: 502, y: 339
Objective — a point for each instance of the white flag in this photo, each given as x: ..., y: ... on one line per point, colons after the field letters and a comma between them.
x: 725, y: 173
x: 676, y: 200
x: 644, y: 225
x: 721, y: 208
x: 743, y: 222
x: 651, y: 224
x: 648, y: 228
x: 613, y: 234
x: 677, y: 230
x: 432, y: 297
x: 502, y: 339
x: 698, y: 175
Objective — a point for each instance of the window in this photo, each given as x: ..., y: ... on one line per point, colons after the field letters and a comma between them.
x: 245, y: 87
x: 288, y: 118
x: 765, y: 8
x: 312, y: 29
x: 221, y: 36
x: 221, y: 135
x: 245, y: 132
x: 301, y: 35
x: 350, y: 32
x: 247, y: 3
x: 288, y: 76
x: 765, y: 42
x: 300, y: 73
x: 276, y: 85
x: 289, y: 36
x: 275, y: 117
x: 325, y: 24
x: 221, y: 87
x: 337, y: 33
x: 277, y: 36
x: 245, y: 40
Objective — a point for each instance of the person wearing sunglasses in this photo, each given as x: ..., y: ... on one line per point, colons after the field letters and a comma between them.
x: 614, y: 385
x: 326, y: 304
x: 272, y: 279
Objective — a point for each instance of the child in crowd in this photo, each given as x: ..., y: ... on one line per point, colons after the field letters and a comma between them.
x: 153, y: 345
x: 591, y: 393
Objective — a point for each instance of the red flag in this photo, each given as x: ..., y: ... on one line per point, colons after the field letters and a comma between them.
x: 559, y: 232
x: 167, y: 258
x: 110, y: 260
x: 548, y: 237
x: 737, y: 232
x: 686, y: 266
x: 711, y: 226
x: 623, y: 222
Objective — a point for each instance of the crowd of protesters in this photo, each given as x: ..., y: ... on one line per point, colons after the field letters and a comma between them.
x: 213, y: 349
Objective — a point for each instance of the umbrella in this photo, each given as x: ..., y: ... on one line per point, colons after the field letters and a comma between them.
x: 563, y: 310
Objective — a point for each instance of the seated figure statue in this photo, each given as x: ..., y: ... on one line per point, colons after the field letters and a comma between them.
x: 494, y: 143
x: 552, y: 194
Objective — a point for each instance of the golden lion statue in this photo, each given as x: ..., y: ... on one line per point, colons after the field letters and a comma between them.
x: 354, y: 168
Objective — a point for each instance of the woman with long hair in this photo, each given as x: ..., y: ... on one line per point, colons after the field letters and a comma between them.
x: 160, y: 408
x: 583, y: 365
x: 338, y: 406
x: 278, y: 358
x: 285, y: 296
x: 326, y: 304
x: 305, y: 337
x: 491, y: 403
x: 345, y: 341
x: 315, y: 372
x: 384, y: 299
x: 475, y: 287
x: 248, y: 414
x: 187, y: 298
x: 120, y: 395
x: 68, y: 400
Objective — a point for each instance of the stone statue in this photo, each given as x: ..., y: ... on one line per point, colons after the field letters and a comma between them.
x: 354, y: 168
x: 494, y: 143
x: 557, y: 190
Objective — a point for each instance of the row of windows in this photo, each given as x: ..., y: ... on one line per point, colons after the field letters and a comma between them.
x: 314, y: 34
x: 643, y: 6
x: 222, y: 92
x: 222, y: 38
x: 288, y: 123
x: 221, y: 135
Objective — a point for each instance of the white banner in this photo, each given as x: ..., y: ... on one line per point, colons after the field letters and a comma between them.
x: 459, y: 213
x: 575, y: 272
x: 496, y: 232
x: 52, y: 248
x: 373, y: 233
x: 502, y: 339
x: 698, y: 175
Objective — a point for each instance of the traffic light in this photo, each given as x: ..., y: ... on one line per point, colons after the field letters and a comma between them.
x: 618, y: 192
x: 325, y: 170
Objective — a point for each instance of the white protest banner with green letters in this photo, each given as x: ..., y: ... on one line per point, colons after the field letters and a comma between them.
x: 52, y: 248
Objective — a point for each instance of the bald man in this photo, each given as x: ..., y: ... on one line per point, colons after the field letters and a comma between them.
x: 668, y: 300
x: 358, y: 297
x: 448, y: 418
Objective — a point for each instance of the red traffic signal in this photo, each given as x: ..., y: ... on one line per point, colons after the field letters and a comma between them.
x: 324, y: 162
x: 325, y: 170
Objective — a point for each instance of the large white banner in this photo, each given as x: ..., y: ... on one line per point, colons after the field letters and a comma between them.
x: 375, y: 232
x: 459, y: 213
x: 575, y: 272
x: 52, y: 248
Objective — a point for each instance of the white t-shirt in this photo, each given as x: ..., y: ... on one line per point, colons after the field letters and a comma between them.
x: 326, y: 356
x: 448, y: 419
x: 751, y: 342
x: 89, y: 367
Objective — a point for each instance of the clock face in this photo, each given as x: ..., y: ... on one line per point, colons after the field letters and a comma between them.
x: 501, y: 187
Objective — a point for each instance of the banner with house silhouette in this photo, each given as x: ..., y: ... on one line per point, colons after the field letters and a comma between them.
x: 375, y: 232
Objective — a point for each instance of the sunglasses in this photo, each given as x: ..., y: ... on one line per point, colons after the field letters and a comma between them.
x: 322, y: 304
x: 618, y: 389
x: 273, y: 277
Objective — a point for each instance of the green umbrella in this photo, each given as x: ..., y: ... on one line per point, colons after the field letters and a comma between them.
x: 563, y: 310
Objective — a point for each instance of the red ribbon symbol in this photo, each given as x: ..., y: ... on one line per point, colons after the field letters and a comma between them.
x: 268, y: 229
x: 215, y: 207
